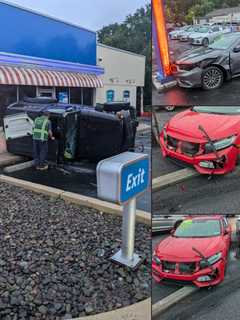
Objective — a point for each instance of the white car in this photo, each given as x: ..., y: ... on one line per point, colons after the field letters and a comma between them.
x: 185, y: 35
x: 205, y: 35
x: 175, y: 34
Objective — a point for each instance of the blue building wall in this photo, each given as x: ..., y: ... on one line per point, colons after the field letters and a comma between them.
x: 27, y: 33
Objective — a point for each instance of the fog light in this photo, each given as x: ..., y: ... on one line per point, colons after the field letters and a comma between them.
x: 204, y: 279
x: 207, y: 164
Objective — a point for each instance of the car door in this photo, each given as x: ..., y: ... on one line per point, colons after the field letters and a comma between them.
x: 214, y: 33
x: 18, y: 134
x: 235, y: 59
x: 17, y: 126
x: 227, y: 232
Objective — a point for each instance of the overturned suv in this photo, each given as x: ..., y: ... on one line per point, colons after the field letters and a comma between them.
x: 207, y: 138
x: 81, y: 132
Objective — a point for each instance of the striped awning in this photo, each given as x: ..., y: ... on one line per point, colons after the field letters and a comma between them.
x: 12, y: 75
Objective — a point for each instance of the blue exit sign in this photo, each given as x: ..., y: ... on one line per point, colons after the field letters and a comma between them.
x: 134, y: 179
x: 122, y: 177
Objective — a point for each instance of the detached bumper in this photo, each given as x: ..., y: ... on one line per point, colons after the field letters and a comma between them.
x: 202, y: 278
x: 189, y: 79
x: 206, y: 163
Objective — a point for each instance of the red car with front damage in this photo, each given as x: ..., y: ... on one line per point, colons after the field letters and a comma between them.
x: 207, y: 138
x: 195, y: 253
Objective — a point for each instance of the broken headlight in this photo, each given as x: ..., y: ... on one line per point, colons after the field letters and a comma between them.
x: 220, y: 144
x: 156, y: 260
x: 210, y: 261
x: 188, y: 66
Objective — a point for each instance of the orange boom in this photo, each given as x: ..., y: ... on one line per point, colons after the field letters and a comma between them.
x: 161, y: 35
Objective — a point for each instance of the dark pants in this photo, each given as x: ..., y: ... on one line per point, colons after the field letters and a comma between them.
x: 40, y: 152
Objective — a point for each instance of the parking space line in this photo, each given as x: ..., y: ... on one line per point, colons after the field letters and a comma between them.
x: 172, y: 299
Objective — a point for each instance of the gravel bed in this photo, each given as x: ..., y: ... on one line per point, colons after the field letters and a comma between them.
x: 54, y: 259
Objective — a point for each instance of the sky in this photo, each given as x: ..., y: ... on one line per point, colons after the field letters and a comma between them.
x: 91, y: 14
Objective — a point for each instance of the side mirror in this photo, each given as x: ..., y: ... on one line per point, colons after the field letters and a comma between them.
x: 236, y: 49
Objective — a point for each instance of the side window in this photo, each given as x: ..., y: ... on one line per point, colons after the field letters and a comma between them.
x: 110, y: 95
x: 215, y: 29
x: 126, y: 95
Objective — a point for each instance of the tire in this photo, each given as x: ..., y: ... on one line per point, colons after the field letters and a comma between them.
x: 212, y: 78
x: 205, y: 42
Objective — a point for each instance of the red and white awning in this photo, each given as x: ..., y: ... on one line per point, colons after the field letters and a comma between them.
x: 41, y: 77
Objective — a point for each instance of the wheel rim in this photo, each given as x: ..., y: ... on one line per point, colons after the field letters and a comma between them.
x: 212, y: 78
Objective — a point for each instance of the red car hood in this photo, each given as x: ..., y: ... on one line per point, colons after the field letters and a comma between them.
x: 217, y: 126
x: 180, y: 249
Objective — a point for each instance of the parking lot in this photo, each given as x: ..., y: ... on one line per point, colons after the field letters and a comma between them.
x: 220, y: 194
x: 228, y: 94
x: 204, y: 303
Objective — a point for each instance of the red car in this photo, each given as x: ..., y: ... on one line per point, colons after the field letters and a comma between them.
x: 195, y: 253
x: 207, y: 138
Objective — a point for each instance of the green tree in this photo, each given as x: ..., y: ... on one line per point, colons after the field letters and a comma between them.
x: 134, y: 35
x: 179, y: 11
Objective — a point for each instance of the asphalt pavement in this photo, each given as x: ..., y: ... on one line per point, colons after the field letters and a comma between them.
x: 220, y: 302
x: 228, y: 94
x: 220, y: 195
x: 85, y: 183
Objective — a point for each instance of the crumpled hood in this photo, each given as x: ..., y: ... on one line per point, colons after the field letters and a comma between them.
x: 200, y: 54
x: 180, y: 249
x: 217, y: 126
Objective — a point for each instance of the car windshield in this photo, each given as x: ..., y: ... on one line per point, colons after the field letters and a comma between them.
x: 203, y: 29
x: 202, y: 228
x: 224, y: 42
x: 217, y: 110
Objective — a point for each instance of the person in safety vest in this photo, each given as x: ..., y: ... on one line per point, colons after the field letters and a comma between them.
x: 42, y: 131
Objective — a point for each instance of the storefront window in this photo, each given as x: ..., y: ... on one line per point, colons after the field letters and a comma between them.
x: 76, y: 95
x: 126, y: 95
x: 88, y: 96
x: 27, y: 91
x: 48, y: 92
x: 62, y: 94
x: 8, y: 95
x: 110, y: 95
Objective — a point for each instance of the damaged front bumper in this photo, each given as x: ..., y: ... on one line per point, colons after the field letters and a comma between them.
x: 202, y: 278
x: 205, y: 163
x: 188, y: 79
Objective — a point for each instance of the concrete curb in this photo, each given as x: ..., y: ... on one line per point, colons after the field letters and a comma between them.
x: 19, y: 166
x: 171, y: 300
x: 141, y: 216
x: 173, y: 178
x: 7, y: 159
x: 138, y: 311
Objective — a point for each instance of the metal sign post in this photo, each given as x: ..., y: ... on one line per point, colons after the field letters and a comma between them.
x: 120, y: 179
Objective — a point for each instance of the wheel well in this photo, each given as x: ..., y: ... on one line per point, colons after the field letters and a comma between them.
x: 225, y: 75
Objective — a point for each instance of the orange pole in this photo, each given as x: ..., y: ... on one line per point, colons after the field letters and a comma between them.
x: 162, y: 37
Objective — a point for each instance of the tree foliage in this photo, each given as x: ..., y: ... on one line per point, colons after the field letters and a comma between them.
x: 134, y: 34
x: 179, y: 11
